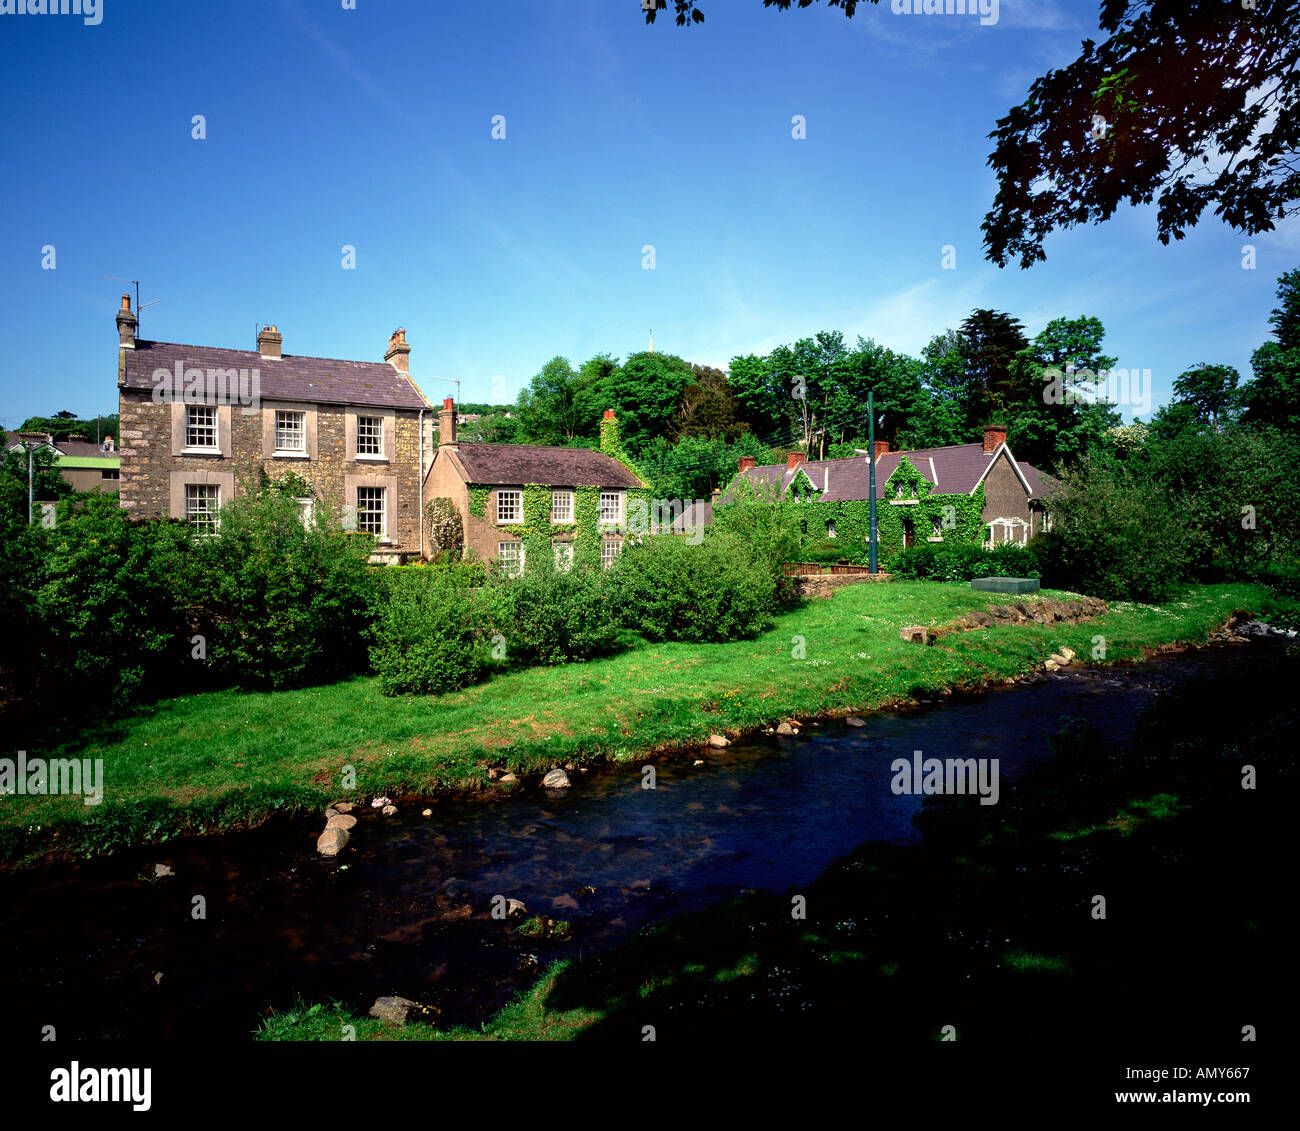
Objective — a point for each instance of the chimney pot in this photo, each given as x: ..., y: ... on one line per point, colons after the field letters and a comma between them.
x: 609, y: 414
x: 746, y: 462
x: 882, y: 448
x: 447, y: 423
x: 793, y: 460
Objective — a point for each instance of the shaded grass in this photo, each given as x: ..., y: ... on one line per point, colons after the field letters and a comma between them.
x: 227, y: 759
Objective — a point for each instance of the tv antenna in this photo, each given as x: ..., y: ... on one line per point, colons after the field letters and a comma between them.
x: 138, y: 308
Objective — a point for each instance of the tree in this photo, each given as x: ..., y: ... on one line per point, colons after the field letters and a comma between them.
x: 1190, y: 103
x: 644, y: 392
x: 1273, y: 396
x: 690, y: 9
x: 708, y: 409
x: 1210, y: 390
x: 990, y: 341
x: 546, y: 405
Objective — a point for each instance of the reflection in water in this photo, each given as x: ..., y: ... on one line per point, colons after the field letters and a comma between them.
x: 96, y: 950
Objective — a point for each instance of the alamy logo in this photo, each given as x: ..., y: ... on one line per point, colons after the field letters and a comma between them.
x: 1131, y: 387
x: 209, y: 386
x: 987, y: 10
x: 32, y: 777
x: 929, y: 776
x: 102, y: 1085
x: 91, y: 10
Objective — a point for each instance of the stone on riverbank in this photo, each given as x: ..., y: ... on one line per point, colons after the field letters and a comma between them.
x: 394, y: 1010
x: 331, y: 841
x: 341, y: 821
x: 718, y: 741
x: 786, y: 729
x: 344, y: 806
x: 556, y: 779
x: 854, y: 721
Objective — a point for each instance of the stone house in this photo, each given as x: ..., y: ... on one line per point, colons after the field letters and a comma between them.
x: 201, y: 425
x: 960, y: 493
x: 83, y: 465
x: 512, y: 496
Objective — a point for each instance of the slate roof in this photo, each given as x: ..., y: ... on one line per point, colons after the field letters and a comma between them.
x: 83, y: 449
x: 289, y: 378
x: 530, y: 463
x: 954, y: 470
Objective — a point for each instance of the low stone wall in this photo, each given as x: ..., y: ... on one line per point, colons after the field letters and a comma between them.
x: 823, y: 585
x: 1045, y: 611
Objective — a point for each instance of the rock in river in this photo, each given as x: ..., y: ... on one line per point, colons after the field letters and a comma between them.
x: 331, y: 841
x: 556, y: 779
x: 341, y: 821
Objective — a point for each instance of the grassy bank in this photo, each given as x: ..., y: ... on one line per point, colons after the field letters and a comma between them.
x: 228, y: 759
x: 988, y: 924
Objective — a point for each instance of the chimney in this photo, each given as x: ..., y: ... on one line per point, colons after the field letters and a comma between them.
x: 746, y: 462
x: 126, y: 325
x: 268, y: 343
x: 446, y: 420
x: 993, y: 436
x: 882, y: 448
x: 399, y: 353
x: 609, y: 439
x: 793, y: 460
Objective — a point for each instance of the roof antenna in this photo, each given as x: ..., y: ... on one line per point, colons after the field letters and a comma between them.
x: 138, y: 308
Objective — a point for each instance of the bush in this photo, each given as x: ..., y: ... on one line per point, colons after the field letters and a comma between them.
x: 282, y: 603
x: 424, y: 638
x: 108, y: 601
x: 719, y: 590
x: 551, y: 616
x: 936, y: 561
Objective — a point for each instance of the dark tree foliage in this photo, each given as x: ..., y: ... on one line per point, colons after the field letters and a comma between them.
x: 689, y: 10
x: 1188, y: 103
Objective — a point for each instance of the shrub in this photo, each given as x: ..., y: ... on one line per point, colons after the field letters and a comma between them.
x: 280, y: 602
x: 719, y: 590
x: 424, y: 638
x: 937, y: 561
x: 550, y: 616
x: 112, y: 623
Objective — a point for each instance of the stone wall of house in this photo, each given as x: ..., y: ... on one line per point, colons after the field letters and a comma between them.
x: 148, y: 463
x: 444, y: 481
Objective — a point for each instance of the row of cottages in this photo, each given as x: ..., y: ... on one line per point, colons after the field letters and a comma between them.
x: 201, y: 425
x: 967, y: 493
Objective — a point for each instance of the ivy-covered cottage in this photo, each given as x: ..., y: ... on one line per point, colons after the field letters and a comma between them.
x: 964, y: 493
x: 511, y: 497
x: 201, y: 425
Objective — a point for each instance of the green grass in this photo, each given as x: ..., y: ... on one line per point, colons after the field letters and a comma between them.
x: 229, y: 759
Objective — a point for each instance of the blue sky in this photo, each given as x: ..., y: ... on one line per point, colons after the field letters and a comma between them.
x: 372, y: 128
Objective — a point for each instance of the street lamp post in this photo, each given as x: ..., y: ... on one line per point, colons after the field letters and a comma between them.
x: 871, y: 481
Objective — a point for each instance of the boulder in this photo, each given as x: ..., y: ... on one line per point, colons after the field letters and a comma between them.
x: 507, y: 779
x: 394, y: 1010
x: 515, y: 908
x: 1068, y: 653
x: 331, y: 841
x: 1052, y: 666
x: 1060, y: 660
x: 389, y: 810
x: 160, y: 870
x: 427, y: 813
x: 718, y: 741
x: 341, y: 821
x: 331, y: 812
x: 556, y: 779
x: 854, y: 721
x: 343, y: 806
x: 786, y: 729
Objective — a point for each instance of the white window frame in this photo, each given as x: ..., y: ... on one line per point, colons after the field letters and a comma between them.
x: 210, y: 493
x: 563, y: 556
x: 512, y: 564
x: 561, y: 514
x: 363, y: 431
x: 300, y: 419
x: 191, y: 410
x: 363, y: 513
x: 518, y: 497
x: 619, y: 508
x: 610, y: 549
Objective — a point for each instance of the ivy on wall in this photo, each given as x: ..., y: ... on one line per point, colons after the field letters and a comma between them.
x: 445, y: 529
x: 960, y: 517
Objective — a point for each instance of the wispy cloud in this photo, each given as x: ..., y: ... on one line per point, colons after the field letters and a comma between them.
x: 341, y: 58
